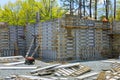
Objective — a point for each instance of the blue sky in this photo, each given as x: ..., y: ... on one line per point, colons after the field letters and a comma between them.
x: 3, y: 2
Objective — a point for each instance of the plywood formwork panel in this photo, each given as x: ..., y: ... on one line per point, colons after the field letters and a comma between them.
x: 115, y: 37
x: 49, y: 39
x: 116, y: 28
x: 70, y: 48
x: 4, y: 39
x: 84, y: 43
x: 116, y: 45
x: 12, y: 36
x: 30, y: 30
x: 17, y: 40
x: 21, y: 41
x: 61, y: 44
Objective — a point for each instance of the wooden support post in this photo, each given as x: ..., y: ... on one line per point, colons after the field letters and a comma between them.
x: 30, y: 47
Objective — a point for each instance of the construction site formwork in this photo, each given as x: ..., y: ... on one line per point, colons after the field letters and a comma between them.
x: 115, y: 39
x: 17, y: 42
x: 48, y: 34
x: 31, y: 32
x: 4, y: 37
x: 72, y: 38
x: 11, y: 42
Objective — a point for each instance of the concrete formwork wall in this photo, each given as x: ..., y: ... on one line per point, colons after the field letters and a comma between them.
x: 116, y: 27
x: 89, y: 44
x: 49, y: 32
x: 15, y: 40
x: 91, y: 39
x: 9, y: 38
x: 4, y: 39
x: 63, y: 39
x: 64, y: 43
x: 31, y: 32
x: 116, y: 39
x: 116, y: 45
x: 85, y: 44
x: 61, y: 54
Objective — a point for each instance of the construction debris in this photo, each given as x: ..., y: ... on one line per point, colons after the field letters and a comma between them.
x: 101, y: 76
x: 14, y: 63
x: 87, y: 75
x: 25, y: 77
x: 13, y: 70
x: 44, y: 68
x: 113, y: 74
x: 71, y: 69
x: 109, y: 75
x: 16, y: 68
x: 11, y: 59
x: 116, y: 67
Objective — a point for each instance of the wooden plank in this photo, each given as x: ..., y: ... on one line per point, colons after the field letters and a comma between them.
x: 60, y: 73
x: 12, y: 57
x: 15, y: 63
x: 64, y: 72
x: 16, y: 68
x: 81, y: 71
x: 57, y: 74
x: 87, y: 75
x: 67, y: 65
x: 30, y: 47
x: 116, y: 67
x: 44, y: 68
x: 26, y: 77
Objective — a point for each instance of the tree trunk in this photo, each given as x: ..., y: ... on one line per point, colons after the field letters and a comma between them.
x: 71, y: 7
x: 107, y: 7
x: 80, y: 8
x: 95, y: 9
x: 90, y: 10
x: 84, y: 7
x: 114, y: 9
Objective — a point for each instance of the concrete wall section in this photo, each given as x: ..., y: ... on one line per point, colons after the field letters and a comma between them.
x: 49, y: 32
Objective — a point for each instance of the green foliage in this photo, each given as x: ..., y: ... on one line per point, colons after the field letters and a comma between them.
x: 118, y: 11
x: 24, y: 11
